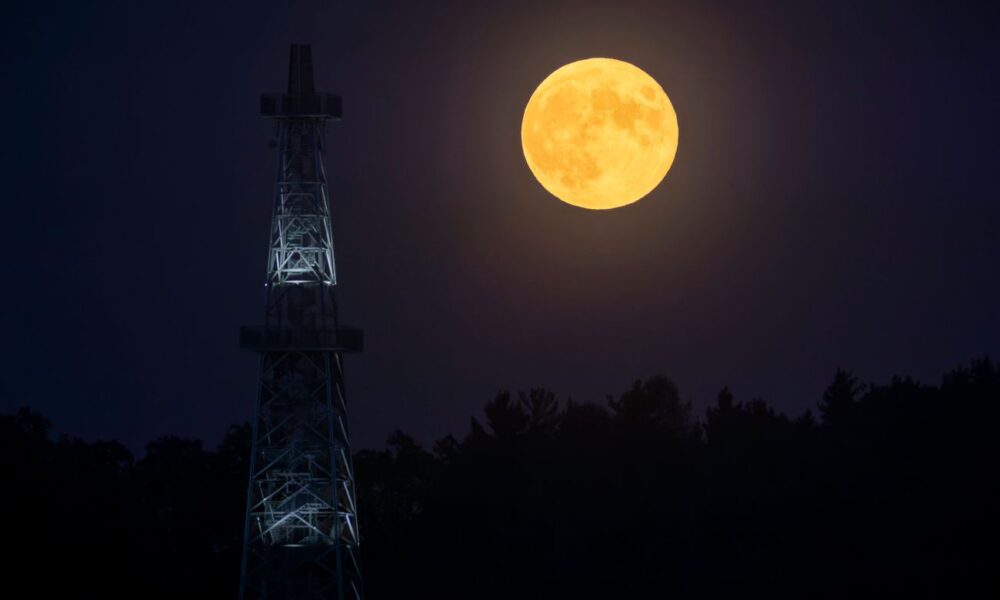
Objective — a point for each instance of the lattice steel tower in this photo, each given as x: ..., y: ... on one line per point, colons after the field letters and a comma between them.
x: 301, y: 533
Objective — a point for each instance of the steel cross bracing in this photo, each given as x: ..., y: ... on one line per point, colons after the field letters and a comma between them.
x: 301, y: 533
x: 302, y: 483
x: 301, y: 235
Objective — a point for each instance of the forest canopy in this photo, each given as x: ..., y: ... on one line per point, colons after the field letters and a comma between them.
x: 886, y: 489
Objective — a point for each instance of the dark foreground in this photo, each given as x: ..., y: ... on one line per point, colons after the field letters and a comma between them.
x: 890, y: 491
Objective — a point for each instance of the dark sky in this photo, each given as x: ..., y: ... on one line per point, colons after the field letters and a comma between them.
x: 834, y: 203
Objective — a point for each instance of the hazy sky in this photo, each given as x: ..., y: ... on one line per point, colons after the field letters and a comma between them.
x: 834, y: 203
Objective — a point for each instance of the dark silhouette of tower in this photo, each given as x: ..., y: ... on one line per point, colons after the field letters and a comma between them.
x: 301, y: 533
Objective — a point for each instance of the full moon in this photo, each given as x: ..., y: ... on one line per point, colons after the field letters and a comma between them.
x: 599, y: 133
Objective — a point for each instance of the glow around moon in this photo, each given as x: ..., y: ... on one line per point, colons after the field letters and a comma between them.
x: 599, y: 133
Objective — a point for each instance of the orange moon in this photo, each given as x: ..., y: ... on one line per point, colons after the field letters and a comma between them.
x: 599, y: 133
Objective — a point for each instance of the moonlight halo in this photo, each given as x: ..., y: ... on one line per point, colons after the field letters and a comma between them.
x: 599, y: 133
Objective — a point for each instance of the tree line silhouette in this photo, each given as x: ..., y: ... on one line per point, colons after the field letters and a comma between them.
x: 890, y: 491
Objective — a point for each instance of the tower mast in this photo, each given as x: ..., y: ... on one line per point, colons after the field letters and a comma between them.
x: 301, y: 532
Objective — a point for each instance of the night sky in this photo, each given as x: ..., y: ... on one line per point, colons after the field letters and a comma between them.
x: 834, y: 203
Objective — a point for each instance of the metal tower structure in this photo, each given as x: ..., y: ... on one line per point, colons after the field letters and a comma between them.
x: 301, y: 532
